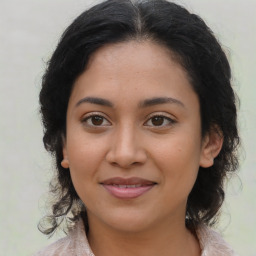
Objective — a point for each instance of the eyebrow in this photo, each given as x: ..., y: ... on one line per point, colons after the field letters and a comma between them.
x: 95, y: 100
x: 160, y: 100
x: 143, y: 104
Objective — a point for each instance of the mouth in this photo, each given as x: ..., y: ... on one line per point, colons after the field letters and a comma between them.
x: 130, y: 188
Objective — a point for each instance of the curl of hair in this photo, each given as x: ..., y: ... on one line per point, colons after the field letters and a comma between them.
x: 192, y: 44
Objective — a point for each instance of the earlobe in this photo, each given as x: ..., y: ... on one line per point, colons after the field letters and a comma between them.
x: 211, y: 147
x: 65, y: 162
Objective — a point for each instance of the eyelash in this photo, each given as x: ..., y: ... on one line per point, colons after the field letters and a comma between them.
x: 165, y: 119
x: 93, y: 115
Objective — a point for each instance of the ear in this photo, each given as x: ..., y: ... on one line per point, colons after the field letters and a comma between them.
x: 211, y: 146
x: 65, y: 162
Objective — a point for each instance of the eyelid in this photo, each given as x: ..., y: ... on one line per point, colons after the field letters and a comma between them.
x: 92, y: 114
x: 165, y: 115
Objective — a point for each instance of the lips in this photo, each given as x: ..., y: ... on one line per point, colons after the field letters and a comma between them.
x: 127, y: 188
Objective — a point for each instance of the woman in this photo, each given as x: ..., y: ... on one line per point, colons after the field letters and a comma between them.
x: 140, y: 117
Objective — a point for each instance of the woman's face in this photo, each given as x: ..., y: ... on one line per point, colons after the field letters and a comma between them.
x: 133, y: 141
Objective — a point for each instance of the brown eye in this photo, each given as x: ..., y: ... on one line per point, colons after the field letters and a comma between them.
x: 160, y: 121
x: 157, y: 120
x: 97, y: 120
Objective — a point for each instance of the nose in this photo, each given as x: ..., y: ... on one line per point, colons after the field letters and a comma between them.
x: 126, y: 149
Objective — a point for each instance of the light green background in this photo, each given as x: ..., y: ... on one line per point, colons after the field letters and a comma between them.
x: 29, y: 31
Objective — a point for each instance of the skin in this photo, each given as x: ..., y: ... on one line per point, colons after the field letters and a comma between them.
x: 126, y: 140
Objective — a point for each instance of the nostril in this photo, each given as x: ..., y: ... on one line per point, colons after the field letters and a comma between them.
x: 114, y: 163
x: 125, y: 165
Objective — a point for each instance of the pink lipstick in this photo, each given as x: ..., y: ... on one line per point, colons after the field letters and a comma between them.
x: 130, y: 188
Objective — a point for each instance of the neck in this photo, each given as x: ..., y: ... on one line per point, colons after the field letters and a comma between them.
x: 166, y: 239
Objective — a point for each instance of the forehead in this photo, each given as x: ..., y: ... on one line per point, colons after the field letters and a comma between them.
x: 141, y: 54
x: 131, y: 70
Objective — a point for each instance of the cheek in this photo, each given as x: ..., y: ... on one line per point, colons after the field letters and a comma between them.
x: 178, y: 150
x: 85, y: 156
x: 178, y: 161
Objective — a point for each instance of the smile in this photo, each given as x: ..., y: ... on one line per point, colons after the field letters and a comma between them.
x: 127, y: 188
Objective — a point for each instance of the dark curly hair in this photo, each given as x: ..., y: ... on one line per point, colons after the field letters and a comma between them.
x: 194, y: 46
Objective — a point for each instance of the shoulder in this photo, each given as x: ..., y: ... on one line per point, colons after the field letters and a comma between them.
x: 212, y: 244
x: 74, y: 244
x: 61, y: 247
